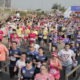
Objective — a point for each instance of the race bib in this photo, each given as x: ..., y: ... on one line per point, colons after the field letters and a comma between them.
x: 12, y: 58
x: 32, y: 39
x: 23, y: 71
x: 53, y: 71
x: 40, y: 36
x: 50, y: 38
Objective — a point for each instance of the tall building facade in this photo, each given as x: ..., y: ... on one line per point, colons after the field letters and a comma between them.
x: 8, y: 3
x: 1, y: 3
x: 5, y: 3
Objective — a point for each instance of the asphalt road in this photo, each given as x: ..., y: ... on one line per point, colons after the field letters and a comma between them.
x: 4, y: 76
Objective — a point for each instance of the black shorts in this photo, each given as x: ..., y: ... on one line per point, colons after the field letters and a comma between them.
x: 40, y: 39
x: 45, y: 40
x: 50, y: 41
x: 69, y: 36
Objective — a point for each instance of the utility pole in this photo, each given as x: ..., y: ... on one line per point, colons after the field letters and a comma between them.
x: 3, y: 4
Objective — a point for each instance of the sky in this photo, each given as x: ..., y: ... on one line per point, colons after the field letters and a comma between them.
x: 42, y: 4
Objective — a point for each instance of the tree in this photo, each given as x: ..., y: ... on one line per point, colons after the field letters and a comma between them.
x: 38, y: 9
x: 58, y: 7
x: 62, y: 9
x: 55, y: 6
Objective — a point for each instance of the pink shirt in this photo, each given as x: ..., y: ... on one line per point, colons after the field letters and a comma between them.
x: 44, y: 77
x: 3, y: 52
x: 1, y: 34
x: 54, y: 71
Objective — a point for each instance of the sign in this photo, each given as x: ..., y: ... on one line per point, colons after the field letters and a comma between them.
x: 75, y: 8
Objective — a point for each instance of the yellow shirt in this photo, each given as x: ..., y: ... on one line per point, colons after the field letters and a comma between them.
x: 27, y: 31
x: 45, y: 33
x: 19, y: 32
x: 36, y: 32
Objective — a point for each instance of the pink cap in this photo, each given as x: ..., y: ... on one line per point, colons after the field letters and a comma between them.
x: 54, y: 54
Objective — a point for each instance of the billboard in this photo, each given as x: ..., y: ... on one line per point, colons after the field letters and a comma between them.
x: 75, y: 8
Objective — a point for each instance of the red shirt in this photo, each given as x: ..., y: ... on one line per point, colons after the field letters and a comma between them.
x: 29, y: 27
x: 32, y: 36
x: 14, y: 36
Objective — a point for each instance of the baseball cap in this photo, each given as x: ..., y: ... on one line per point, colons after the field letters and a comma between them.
x: 54, y: 54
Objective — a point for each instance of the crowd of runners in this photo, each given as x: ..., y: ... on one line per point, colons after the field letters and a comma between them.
x: 51, y: 46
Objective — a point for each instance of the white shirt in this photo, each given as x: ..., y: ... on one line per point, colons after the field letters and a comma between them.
x: 18, y: 15
x: 36, y: 47
x: 66, y: 56
x: 20, y: 63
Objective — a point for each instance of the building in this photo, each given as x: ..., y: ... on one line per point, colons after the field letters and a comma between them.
x: 8, y: 3
x: 5, y: 3
x: 1, y: 3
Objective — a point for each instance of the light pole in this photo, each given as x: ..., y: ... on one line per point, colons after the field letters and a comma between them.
x: 3, y: 4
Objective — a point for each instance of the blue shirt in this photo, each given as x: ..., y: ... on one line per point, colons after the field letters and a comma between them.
x: 74, y: 49
x: 78, y: 39
x: 11, y: 55
x: 28, y: 74
x: 40, y: 58
x: 33, y: 53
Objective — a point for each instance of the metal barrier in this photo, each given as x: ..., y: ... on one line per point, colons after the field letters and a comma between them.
x: 69, y: 74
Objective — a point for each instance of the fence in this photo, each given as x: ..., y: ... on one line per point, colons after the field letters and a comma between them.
x: 74, y: 70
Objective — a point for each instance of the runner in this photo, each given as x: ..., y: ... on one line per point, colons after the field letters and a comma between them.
x: 4, y: 54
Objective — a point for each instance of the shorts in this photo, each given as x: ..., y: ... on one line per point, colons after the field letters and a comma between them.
x: 54, y: 44
x: 3, y: 64
x: 45, y: 40
x: 40, y: 39
x: 50, y: 41
x: 70, y: 36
